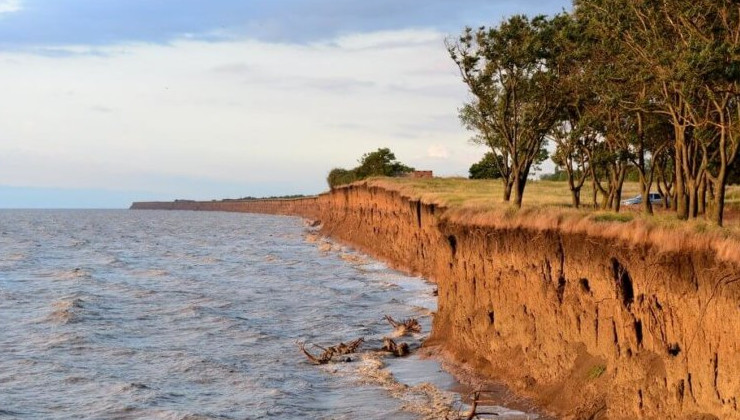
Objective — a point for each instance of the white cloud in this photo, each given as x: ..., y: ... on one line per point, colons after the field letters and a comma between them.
x: 438, y: 151
x: 243, y: 112
x: 9, y: 6
x: 386, y: 39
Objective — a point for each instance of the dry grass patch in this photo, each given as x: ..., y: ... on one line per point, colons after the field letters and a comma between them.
x: 463, y: 192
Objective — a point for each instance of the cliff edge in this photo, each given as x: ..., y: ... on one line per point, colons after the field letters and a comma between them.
x: 587, y: 322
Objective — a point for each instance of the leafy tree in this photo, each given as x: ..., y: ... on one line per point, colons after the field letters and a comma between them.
x: 486, y: 168
x: 558, y: 175
x: 340, y: 176
x: 514, y: 106
x: 646, y: 90
x: 381, y: 162
x: 689, y: 51
x: 573, y: 134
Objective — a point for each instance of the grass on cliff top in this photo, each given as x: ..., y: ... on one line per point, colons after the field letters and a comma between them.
x: 547, y: 204
x: 473, y: 193
x: 478, y: 193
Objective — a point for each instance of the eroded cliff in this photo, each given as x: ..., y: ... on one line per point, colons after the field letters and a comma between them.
x: 588, y: 325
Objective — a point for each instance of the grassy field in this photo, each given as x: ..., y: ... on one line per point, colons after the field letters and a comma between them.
x: 481, y: 200
x: 462, y: 192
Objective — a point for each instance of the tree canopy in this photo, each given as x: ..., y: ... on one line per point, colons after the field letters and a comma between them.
x: 509, y: 73
x: 381, y: 162
x: 650, y: 87
x: 486, y: 168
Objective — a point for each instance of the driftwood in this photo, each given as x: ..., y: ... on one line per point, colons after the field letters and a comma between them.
x: 481, y: 406
x: 406, y: 326
x: 328, y: 353
x: 399, y: 350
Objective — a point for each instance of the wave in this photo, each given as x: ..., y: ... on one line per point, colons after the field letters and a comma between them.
x: 71, y: 274
x: 65, y: 340
x: 152, y: 273
x: 66, y: 311
x: 424, y: 399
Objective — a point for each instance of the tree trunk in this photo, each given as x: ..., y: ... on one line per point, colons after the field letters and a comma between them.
x: 507, y: 188
x: 703, y: 197
x: 616, y: 181
x: 519, y: 183
x: 719, y: 200
x: 617, y: 198
x: 606, y: 200
x: 645, y: 181
x: 575, y: 191
x: 679, y: 201
x: 664, y: 188
x: 663, y: 195
x: 647, y: 206
x: 594, y: 194
x: 575, y: 194
x: 693, y: 207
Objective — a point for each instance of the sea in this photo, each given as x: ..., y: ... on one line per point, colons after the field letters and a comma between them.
x: 126, y: 314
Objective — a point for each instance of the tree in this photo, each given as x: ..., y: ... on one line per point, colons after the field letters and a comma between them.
x: 559, y: 175
x: 571, y: 155
x: 573, y: 134
x: 514, y: 106
x: 689, y: 50
x: 381, y: 162
x: 486, y: 168
x: 340, y: 176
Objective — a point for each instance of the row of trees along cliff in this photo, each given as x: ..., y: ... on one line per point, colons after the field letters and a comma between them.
x: 650, y: 86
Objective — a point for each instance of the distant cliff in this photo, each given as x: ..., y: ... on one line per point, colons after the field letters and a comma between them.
x: 586, y: 324
x: 304, y: 207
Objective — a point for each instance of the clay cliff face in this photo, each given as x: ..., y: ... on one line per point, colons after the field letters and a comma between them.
x: 590, y: 327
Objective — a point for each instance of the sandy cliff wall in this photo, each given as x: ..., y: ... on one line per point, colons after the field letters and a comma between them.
x: 589, y: 326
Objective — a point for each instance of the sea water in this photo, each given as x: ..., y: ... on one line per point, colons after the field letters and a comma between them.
x: 109, y: 314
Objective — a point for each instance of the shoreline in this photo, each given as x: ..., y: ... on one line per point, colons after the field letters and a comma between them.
x: 583, y: 320
x: 415, y: 370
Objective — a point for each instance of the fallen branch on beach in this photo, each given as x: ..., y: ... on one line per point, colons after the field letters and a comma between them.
x: 404, y: 327
x: 328, y: 353
x: 398, y: 350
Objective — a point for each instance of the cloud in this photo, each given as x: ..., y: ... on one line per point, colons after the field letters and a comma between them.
x: 271, y: 117
x: 10, y: 6
x: 386, y: 39
x: 438, y: 151
x: 98, y: 23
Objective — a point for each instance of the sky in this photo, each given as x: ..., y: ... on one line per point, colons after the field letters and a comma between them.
x: 104, y: 102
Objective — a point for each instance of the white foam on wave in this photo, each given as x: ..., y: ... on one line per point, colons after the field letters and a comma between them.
x: 424, y: 399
